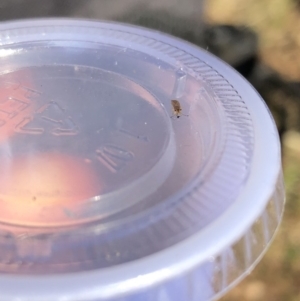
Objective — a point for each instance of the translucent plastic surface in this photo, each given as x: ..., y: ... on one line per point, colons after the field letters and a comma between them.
x: 104, y: 179
x: 95, y: 114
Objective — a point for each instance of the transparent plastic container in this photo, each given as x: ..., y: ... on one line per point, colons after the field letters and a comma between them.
x: 110, y: 192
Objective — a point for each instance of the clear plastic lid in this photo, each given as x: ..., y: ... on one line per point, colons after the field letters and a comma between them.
x: 134, y: 166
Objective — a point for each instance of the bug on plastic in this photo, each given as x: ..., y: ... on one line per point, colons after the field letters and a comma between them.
x: 176, y: 108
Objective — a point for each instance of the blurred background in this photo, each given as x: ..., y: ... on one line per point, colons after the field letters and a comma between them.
x: 260, y: 39
x: 276, y: 24
x: 277, y: 71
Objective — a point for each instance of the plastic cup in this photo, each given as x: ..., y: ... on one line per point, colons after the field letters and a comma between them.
x: 111, y: 191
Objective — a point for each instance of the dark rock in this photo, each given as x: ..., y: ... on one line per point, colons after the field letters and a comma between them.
x: 238, y: 46
x: 282, y: 97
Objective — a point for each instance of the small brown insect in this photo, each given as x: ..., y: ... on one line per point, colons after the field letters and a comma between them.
x: 176, y: 108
